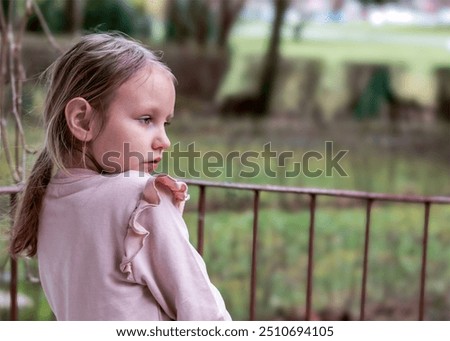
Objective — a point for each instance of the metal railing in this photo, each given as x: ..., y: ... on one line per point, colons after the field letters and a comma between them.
x: 313, y: 193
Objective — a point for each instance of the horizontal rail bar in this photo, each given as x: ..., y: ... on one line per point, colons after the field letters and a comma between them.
x: 300, y: 190
x: 326, y: 192
x: 14, y: 189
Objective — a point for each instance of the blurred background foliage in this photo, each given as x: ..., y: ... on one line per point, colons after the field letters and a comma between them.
x: 371, y: 76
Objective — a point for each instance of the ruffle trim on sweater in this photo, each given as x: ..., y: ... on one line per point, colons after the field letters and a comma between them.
x: 136, y: 232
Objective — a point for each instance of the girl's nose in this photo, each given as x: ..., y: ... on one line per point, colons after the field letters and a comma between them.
x: 161, y: 141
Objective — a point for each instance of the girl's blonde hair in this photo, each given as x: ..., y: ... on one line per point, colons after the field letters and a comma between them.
x: 93, y: 69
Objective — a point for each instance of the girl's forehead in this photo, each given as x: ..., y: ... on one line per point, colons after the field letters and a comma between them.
x: 149, y: 87
x: 153, y: 73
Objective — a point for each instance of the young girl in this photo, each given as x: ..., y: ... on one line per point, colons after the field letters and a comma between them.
x: 110, y: 239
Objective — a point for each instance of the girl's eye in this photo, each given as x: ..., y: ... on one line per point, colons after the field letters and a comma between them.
x: 167, y: 123
x: 145, y: 119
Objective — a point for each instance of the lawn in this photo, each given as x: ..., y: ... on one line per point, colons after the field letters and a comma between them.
x: 335, y: 49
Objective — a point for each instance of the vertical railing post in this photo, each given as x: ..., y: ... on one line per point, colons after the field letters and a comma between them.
x: 201, y: 219
x: 423, y: 273
x: 254, y: 256
x: 13, y: 312
x: 309, y: 286
x: 365, y: 260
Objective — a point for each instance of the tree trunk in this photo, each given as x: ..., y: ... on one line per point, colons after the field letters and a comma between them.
x: 229, y: 12
x: 199, y: 12
x: 74, y: 10
x: 177, y: 29
x: 443, y: 93
x: 270, y: 65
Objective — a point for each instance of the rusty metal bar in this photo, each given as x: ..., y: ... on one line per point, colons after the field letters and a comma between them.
x: 201, y: 219
x: 309, y: 286
x: 325, y: 192
x: 299, y: 190
x: 13, y: 306
x: 4, y: 190
x: 254, y: 256
x: 423, y: 273
x: 366, y: 257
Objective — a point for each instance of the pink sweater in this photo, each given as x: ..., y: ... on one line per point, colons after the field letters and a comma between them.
x: 116, y: 248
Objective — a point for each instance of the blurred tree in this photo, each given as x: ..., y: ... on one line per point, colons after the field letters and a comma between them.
x: 74, y: 14
x: 178, y: 28
x: 443, y: 93
x: 5, y: 6
x: 257, y: 103
x: 269, y: 71
x: 200, y: 14
x: 53, y: 12
x: 105, y: 15
x: 203, y: 28
x: 375, y: 2
x: 229, y: 12
x: 202, y: 21
x: 71, y: 16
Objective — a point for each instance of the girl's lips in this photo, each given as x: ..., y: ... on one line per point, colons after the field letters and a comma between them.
x: 152, y: 165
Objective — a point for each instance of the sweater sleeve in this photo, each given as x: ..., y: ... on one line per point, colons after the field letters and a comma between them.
x: 158, y: 254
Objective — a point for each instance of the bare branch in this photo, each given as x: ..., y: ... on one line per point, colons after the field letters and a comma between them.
x: 23, y: 23
x: 20, y: 78
x: 7, y: 26
x: 44, y: 25
x: 3, y: 57
x: 12, y: 75
x: 17, y: 77
x: 5, y: 144
x: 15, y: 82
x: 3, y: 74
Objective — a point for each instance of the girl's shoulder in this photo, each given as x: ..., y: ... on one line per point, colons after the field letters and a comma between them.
x: 128, y: 180
x: 119, y: 186
x: 88, y: 182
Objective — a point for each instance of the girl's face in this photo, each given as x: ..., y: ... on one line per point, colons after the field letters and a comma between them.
x: 134, y: 134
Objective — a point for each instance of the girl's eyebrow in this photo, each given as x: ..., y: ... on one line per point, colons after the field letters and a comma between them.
x: 150, y: 110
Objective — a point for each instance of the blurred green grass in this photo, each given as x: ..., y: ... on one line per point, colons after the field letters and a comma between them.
x: 418, y: 61
x: 394, y: 259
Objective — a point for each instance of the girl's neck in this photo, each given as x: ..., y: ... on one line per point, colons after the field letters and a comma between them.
x: 82, y: 161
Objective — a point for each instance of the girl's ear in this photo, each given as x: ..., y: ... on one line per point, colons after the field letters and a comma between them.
x: 79, y: 118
